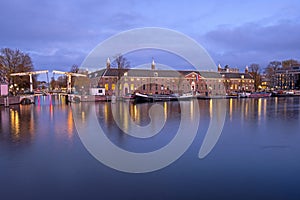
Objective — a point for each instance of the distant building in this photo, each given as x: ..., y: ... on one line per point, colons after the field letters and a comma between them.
x: 235, y: 81
x: 154, y: 81
x: 265, y: 82
x: 3, y: 89
x: 287, y: 79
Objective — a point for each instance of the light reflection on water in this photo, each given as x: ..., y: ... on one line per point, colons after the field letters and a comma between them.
x: 256, y: 157
x: 21, y: 123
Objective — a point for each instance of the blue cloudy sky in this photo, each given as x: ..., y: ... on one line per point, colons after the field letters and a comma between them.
x: 58, y: 34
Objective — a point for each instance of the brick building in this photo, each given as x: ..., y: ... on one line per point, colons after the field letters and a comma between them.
x: 236, y: 81
x: 154, y: 81
x: 287, y: 79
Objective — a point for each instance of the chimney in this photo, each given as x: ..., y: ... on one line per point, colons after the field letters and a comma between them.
x: 219, y: 68
x: 153, y: 64
x: 246, y: 69
x: 108, y: 63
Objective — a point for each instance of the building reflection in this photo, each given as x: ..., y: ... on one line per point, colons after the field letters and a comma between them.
x: 20, y: 124
x: 250, y: 108
x: 166, y: 110
x: 192, y: 109
x: 230, y: 109
x: 70, y: 124
x: 14, y: 123
x: 127, y: 115
x: 17, y: 124
x: 259, y: 109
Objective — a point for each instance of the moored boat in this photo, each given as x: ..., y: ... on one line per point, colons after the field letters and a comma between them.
x: 283, y: 93
x: 186, y: 96
x: 244, y: 94
x: 140, y: 98
x: 128, y: 97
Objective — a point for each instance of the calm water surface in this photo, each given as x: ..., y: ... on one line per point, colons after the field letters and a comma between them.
x: 256, y: 157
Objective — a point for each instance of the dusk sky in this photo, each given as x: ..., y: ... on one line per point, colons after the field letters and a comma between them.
x: 58, y: 34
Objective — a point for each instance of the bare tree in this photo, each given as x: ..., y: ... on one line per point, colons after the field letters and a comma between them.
x: 255, y: 73
x: 288, y: 64
x: 270, y: 72
x: 13, y: 61
x: 74, y: 68
x: 61, y: 82
x: 121, y: 63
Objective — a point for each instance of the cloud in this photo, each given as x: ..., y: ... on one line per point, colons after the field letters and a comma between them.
x: 254, y: 41
x: 57, y: 31
x: 74, y: 28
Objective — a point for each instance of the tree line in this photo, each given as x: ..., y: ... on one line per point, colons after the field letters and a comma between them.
x: 14, y: 61
x: 269, y: 71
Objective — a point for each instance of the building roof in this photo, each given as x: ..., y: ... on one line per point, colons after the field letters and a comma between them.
x: 151, y: 73
x: 236, y: 75
x: 95, y: 74
x: 207, y: 74
x: 283, y: 71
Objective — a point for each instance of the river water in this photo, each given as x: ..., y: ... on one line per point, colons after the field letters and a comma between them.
x: 257, y: 155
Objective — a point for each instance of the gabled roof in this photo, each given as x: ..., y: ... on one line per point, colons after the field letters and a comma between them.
x: 95, y: 74
x: 114, y: 72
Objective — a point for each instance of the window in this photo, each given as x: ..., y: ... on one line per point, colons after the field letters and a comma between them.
x: 132, y: 87
x: 155, y: 74
x: 125, y: 73
x: 144, y: 87
x: 106, y: 86
x: 113, y: 86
